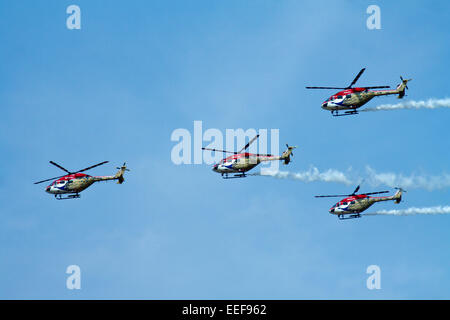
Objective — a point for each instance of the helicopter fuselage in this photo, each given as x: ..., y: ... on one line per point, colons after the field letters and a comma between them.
x: 359, y: 203
x: 243, y: 162
x: 352, y: 99
x: 240, y: 163
x: 73, y: 183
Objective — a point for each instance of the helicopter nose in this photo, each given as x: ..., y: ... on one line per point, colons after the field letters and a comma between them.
x: 47, y: 189
x: 325, y: 105
x: 215, y: 167
x: 331, y: 210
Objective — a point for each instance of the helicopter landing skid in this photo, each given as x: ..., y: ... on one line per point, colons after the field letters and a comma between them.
x: 346, y: 113
x: 70, y: 196
x: 241, y: 175
x: 353, y: 216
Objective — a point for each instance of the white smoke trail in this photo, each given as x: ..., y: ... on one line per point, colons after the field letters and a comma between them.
x: 412, y: 181
x: 412, y: 211
x: 312, y: 175
x: 371, y: 178
x: 428, y: 104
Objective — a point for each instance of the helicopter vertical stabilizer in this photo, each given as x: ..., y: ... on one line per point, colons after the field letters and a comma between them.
x: 287, y: 154
x: 119, y: 174
x: 398, y: 195
x: 402, y: 86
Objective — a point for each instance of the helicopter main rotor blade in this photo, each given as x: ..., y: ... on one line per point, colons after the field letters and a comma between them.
x: 324, y: 88
x: 377, y: 87
x: 376, y: 192
x: 57, y: 165
x: 217, y: 150
x: 64, y: 169
x: 349, y: 195
x: 335, y: 195
x: 95, y: 165
x: 356, y: 190
x: 357, y: 77
x: 249, y: 143
x: 49, y: 179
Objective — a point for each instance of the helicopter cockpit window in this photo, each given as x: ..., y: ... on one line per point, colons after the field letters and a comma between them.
x: 339, y: 97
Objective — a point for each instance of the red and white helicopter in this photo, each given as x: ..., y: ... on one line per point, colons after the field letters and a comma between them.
x: 73, y: 183
x: 354, y: 204
x: 353, y: 98
x: 241, y: 162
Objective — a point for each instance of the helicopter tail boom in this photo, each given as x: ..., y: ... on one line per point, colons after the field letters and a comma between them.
x: 118, y: 176
x: 400, y: 89
x: 397, y: 197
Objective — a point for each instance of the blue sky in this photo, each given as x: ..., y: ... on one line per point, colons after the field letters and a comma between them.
x: 137, y: 70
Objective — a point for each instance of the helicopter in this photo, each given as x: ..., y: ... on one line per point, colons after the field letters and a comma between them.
x: 241, y: 162
x: 352, y: 98
x: 73, y: 183
x: 354, y: 204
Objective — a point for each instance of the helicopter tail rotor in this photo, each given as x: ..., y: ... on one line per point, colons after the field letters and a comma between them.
x: 119, y: 174
x: 398, y: 195
x: 287, y: 154
x: 402, y: 86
